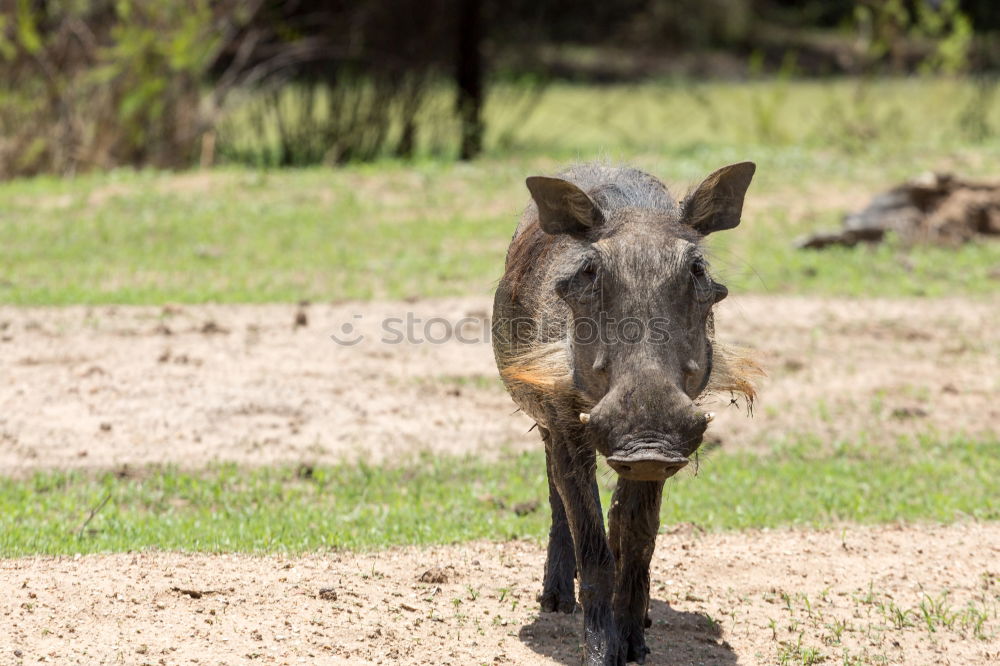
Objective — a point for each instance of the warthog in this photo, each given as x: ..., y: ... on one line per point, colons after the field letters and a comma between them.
x: 603, y: 334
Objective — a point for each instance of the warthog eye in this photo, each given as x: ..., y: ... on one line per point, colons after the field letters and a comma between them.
x: 582, y: 285
x: 702, y: 284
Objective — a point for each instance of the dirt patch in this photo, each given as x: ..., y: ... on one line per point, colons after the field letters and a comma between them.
x: 900, y: 595
x: 254, y: 384
x: 112, y: 386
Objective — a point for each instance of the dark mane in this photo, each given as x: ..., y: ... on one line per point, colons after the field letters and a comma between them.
x: 527, y: 250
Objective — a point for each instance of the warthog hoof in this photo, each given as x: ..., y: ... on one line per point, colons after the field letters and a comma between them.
x: 557, y: 600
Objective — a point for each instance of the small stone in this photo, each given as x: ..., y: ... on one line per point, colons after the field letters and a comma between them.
x: 437, y: 575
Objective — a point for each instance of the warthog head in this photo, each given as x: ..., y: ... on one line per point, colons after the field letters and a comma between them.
x: 641, y: 297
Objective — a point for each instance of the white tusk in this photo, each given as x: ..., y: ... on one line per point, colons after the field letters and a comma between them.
x: 709, y: 416
x: 584, y: 417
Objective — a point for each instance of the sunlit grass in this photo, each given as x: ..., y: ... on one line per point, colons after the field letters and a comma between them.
x: 436, y: 228
x: 446, y: 499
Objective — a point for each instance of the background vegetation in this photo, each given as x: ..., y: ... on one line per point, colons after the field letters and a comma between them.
x: 95, y: 84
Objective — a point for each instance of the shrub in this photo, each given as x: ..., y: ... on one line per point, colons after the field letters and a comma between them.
x: 100, y: 83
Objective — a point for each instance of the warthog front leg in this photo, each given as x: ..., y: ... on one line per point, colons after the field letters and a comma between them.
x: 560, y: 562
x: 634, y: 520
x: 573, y: 472
x: 558, y: 592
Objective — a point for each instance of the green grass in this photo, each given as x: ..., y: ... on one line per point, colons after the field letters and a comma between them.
x: 763, y: 260
x: 445, y: 500
x: 435, y: 228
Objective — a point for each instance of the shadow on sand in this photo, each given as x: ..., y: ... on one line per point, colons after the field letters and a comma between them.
x: 676, y: 638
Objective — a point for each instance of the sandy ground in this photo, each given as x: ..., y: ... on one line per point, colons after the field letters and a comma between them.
x: 120, y: 386
x: 749, y: 598
x: 111, y: 386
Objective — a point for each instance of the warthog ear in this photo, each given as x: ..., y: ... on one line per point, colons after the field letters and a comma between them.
x: 718, y: 202
x: 563, y: 208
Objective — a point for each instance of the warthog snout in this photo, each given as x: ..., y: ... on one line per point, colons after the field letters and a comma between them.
x: 646, y: 439
x: 647, y: 464
x: 655, y: 456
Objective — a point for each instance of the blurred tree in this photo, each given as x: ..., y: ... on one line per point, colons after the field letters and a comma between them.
x: 98, y: 83
x: 381, y: 53
x: 469, y: 77
x: 932, y: 35
x: 984, y: 14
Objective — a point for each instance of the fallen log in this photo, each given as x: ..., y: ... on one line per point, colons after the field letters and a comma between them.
x: 936, y: 208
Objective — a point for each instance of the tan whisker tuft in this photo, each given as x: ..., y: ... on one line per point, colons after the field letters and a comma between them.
x: 735, y: 369
x: 545, y: 368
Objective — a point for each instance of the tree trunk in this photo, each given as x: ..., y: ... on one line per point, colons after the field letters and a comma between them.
x: 469, y: 77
